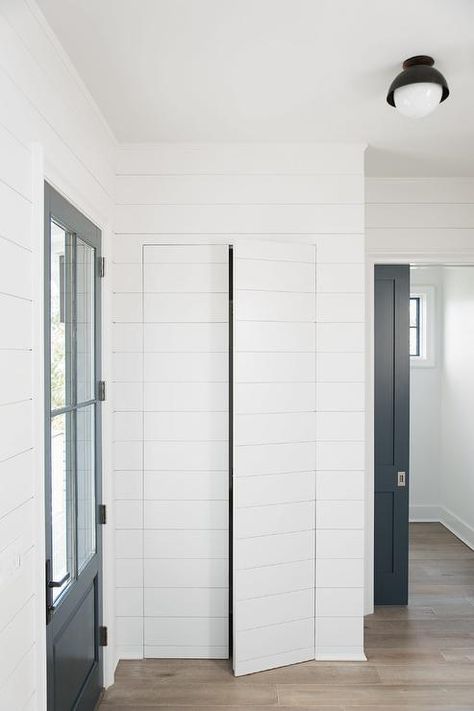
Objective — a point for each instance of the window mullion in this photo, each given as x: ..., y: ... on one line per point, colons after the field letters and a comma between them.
x: 73, y: 416
x: 418, y: 327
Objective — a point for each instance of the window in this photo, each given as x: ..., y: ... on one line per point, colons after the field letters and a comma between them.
x: 422, y: 326
x: 415, y: 326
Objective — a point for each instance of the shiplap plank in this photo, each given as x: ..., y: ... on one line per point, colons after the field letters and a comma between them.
x: 238, y: 189
x: 17, y: 526
x: 191, y: 602
x: 16, y: 639
x: 17, y: 481
x: 402, y: 191
x: 16, y: 376
x: 15, y: 269
x: 15, y: 225
x: 244, y: 158
x: 18, y: 588
x: 421, y: 216
x: 17, y: 420
x: 19, y: 688
x: 153, y: 219
x: 429, y: 241
x: 15, y: 167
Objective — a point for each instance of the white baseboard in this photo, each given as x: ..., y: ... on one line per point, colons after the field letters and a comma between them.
x: 340, y: 654
x: 129, y: 651
x: 460, y: 528
x: 425, y: 513
x: 431, y: 513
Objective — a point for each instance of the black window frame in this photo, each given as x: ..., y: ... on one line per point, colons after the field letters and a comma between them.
x: 417, y: 327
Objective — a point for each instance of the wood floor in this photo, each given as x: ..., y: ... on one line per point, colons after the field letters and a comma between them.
x: 420, y: 658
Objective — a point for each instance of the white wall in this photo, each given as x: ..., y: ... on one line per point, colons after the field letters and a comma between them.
x: 457, y: 403
x: 425, y: 406
x: 43, y: 102
x: 226, y: 193
x: 442, y: 478
x: 421, y: 220
x: 309, y: 193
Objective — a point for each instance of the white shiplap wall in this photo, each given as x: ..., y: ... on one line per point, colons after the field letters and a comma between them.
x: 229, y: 193
x: 38, y: 89
x: 422, y: 218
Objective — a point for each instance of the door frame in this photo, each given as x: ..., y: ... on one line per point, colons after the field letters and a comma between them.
x: 59, y: 207
x: 412, y: 257
x: 45, y: 169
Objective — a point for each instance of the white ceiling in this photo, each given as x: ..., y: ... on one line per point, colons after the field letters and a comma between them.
x: 253, y: 70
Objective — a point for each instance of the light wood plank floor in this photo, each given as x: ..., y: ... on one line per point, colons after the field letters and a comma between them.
x: 420, y: 658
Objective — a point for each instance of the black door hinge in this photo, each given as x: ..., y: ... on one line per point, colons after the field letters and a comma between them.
x: 101, y: 390
x: 102, y: 514
x: 103, y: 637
x: 101, y: 262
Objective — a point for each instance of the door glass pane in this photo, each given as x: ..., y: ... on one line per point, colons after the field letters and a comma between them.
x: 86, y: 504
x: 413, y: 342
x: 85, y: 300
x: 60, y: 316
x: 414, y: 311
x: 62, y: 498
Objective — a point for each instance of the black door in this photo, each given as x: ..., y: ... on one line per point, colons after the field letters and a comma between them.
x: 392, y: 404
x: 73, y: 457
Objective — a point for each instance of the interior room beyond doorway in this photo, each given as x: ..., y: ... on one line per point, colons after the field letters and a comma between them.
x: 441, y: 398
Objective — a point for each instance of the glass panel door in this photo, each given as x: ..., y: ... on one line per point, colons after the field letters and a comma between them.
x: 73, y: 539
x: 73, y: 385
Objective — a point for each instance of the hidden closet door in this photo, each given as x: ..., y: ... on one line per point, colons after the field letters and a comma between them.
x: 274, y: 455
x: 186, y: 450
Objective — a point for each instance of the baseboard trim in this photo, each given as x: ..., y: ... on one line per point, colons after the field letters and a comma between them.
x: 460, y: 528
x: 425, y: 513
x: 340, y: 655
x: 440, y: 514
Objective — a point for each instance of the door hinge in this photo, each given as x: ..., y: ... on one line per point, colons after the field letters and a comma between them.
x: 401, y: 478
x: 103, y: 637
x: 102, y: 514
x: 101, y: 261
x: 101, y: 390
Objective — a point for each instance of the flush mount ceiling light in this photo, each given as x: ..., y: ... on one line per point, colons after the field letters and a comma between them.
x: 419, y: 88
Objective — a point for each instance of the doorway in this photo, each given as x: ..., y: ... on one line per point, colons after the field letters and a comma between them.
x: 391, y: 432
x: 442, y: 383
x: 73, y: 457
x: 424, y: 348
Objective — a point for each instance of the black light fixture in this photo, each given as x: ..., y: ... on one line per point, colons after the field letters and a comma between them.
x: 419, y: 88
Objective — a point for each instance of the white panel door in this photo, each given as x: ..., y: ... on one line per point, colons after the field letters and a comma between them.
x: 274, y: 455
x: 185, y: 450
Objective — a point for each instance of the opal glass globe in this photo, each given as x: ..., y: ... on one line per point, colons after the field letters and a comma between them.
x: 417, y: 100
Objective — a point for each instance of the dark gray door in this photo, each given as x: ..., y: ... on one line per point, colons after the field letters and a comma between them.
x: 73, y: 457
x: 392, y: 404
